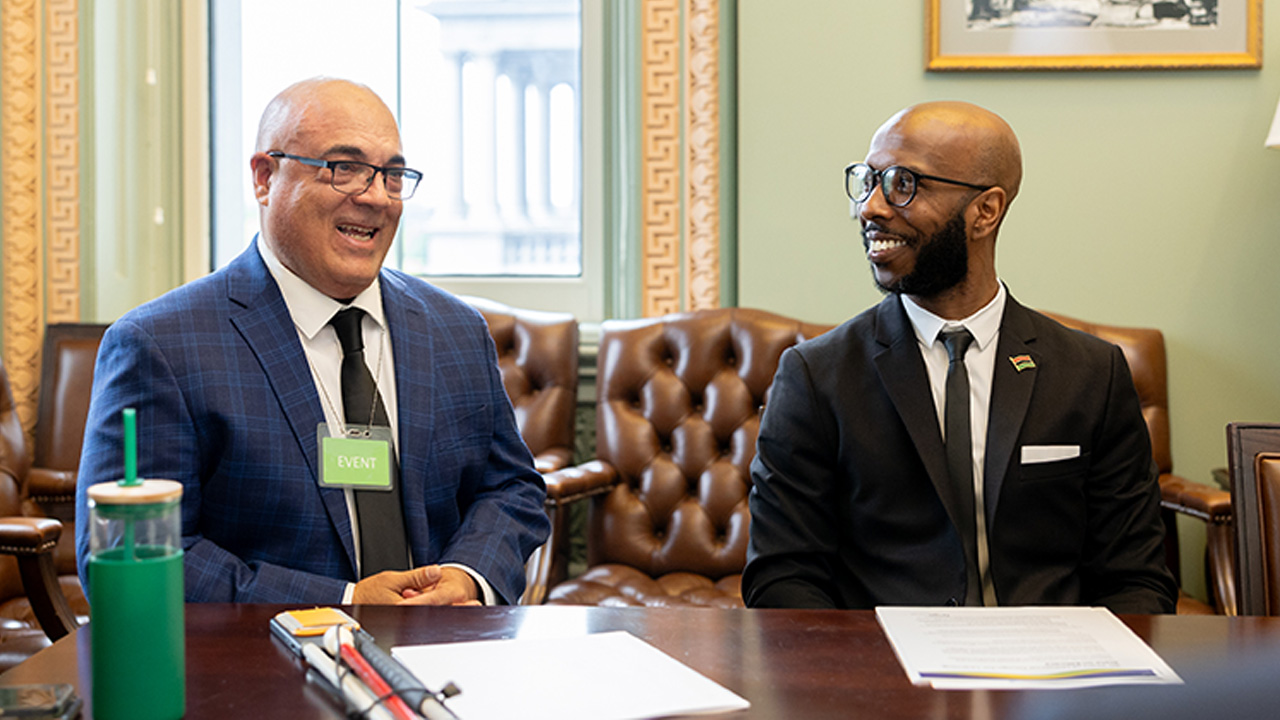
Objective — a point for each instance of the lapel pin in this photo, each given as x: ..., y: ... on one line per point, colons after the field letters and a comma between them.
x: 1022, y: 362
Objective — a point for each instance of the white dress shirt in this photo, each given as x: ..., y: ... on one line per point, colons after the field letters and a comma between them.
x: 980, y: 362
x: 311, y: 311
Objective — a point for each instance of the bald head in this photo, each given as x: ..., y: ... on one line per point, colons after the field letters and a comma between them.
x: 287, y: 112
x: 332, y: 239
x: 960, y: 140
x: 937, y: 244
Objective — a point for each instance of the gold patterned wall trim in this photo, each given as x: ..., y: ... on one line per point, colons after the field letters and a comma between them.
x: 660, y: 156
x: 680, y: 155
x: 702, y: 161
x: 62, y: 161
x: 40, y: 200
x: 20, y: 64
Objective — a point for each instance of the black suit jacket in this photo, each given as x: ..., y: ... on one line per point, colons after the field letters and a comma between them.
x: 851, y: 507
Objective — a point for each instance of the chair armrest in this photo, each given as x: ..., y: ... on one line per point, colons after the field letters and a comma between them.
x: 31, y: 541
x: 548, y: 565
x: 581, y: 481
x: 28, y: 536
x: 45, y: 485
x: 552, y: 459
x: 1212, y: 505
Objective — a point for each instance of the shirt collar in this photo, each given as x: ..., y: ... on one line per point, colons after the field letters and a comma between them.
x: 311, y: 309
x: 984, y: 325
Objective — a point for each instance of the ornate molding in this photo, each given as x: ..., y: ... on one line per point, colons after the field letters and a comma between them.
x: 660, y: 156
x: 702, y: 161
x: 680, y: 155
x: 62, y: 161
x: 40, y: 201
x: 20, y: 64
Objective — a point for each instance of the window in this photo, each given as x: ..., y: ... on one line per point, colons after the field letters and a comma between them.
x: 494, y: 109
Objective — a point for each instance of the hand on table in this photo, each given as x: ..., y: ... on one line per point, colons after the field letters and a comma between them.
x: 426, y: 585
x: 442, y: 586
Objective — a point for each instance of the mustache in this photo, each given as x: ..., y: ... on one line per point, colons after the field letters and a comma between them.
x: 872, y: 227
x: 877, y: 229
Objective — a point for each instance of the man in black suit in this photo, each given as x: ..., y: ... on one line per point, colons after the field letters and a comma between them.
x: 857, y: 501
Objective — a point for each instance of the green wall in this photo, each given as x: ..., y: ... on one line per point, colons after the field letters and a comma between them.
x: 1148, y: 198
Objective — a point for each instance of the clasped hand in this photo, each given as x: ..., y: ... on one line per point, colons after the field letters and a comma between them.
x: 426, y: 585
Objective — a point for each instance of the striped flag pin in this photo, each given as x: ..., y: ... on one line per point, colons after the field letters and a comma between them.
x: 1022, y: 362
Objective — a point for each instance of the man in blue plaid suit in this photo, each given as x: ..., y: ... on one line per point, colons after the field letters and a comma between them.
x: 236, y: 376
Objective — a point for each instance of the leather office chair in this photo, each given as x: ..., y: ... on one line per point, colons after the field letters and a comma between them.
x: 45, y: 475
x: 678, y: 409
x: 1253, y: 462
x: 33, y: 602
x: 1144, y: 351
x: 67, y: 359
x: 538, y: 359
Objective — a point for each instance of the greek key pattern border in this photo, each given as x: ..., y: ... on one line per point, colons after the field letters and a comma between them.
x: 62, y: 161
x: 660, y: 156
x: 20, y: 64
x: 702, y: 161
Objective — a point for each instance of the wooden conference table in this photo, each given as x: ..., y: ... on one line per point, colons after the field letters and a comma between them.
x: 788, y: 664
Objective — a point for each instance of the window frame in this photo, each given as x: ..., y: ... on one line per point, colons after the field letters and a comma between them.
x: 584, y: 295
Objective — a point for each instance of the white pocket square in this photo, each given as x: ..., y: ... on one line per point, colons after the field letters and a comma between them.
x: 1032, y: 454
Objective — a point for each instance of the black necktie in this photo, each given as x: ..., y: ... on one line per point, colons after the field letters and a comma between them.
x: 378, y: 513
x: 960, y: 455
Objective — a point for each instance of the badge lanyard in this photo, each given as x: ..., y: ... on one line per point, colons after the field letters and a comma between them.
x: 359, y: 457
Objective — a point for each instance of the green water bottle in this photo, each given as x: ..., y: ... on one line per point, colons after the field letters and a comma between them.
x: 136, y: 623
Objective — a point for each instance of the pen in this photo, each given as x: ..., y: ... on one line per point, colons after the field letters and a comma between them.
x: 404, y: 683
x: 357, y: 695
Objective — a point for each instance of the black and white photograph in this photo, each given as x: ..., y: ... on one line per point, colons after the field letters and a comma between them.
x: 1093, y: 34
x: 991, y: 14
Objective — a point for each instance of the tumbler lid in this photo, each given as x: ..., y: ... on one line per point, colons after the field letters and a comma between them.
x: 145, y: 492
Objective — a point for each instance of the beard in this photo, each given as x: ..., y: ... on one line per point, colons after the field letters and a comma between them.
x: 942, y: 262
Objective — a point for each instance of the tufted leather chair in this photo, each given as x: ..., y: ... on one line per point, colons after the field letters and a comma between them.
x: 67, y: 358
x: 538, y: 358
x: 33, y: 598
x: 1144, y: 350
x: 678, y: 408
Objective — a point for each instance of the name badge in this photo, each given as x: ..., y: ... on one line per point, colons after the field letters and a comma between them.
x: 358, y: 457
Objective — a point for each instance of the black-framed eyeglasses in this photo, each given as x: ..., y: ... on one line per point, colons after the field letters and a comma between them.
x: 352, y: 177
x: 897, y: 183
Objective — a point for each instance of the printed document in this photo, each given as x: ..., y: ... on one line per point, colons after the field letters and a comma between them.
x: 603, y: 676
x: 970, y: 648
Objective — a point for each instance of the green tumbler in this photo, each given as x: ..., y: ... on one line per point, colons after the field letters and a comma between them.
x: 136, y: 625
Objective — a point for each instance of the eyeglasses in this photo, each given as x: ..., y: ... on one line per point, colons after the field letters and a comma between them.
x: 352, y: 177
x: 897, y: 183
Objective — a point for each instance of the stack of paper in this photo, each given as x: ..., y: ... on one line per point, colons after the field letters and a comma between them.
x: 605, y: 676
x: 973, y: 648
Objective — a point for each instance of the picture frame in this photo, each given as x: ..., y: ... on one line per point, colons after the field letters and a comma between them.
x: 1092, y: 34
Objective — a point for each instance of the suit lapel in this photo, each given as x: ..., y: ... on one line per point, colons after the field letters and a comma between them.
x: 412, y: 348
x: 1010, y: 397
x: 261, y: 317
x: 903, y: 374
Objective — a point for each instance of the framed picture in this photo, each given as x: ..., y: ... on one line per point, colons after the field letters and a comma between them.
x: 1092, y: 34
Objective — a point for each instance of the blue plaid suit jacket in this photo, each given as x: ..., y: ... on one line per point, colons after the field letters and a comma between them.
x: 227, y: 406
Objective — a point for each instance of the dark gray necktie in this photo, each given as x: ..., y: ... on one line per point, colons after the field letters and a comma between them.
x: 378, y: 514
x: 960, y: 455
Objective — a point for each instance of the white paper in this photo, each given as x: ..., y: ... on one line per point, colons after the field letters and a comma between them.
x: 603, y: 676
x: 971, y: 648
